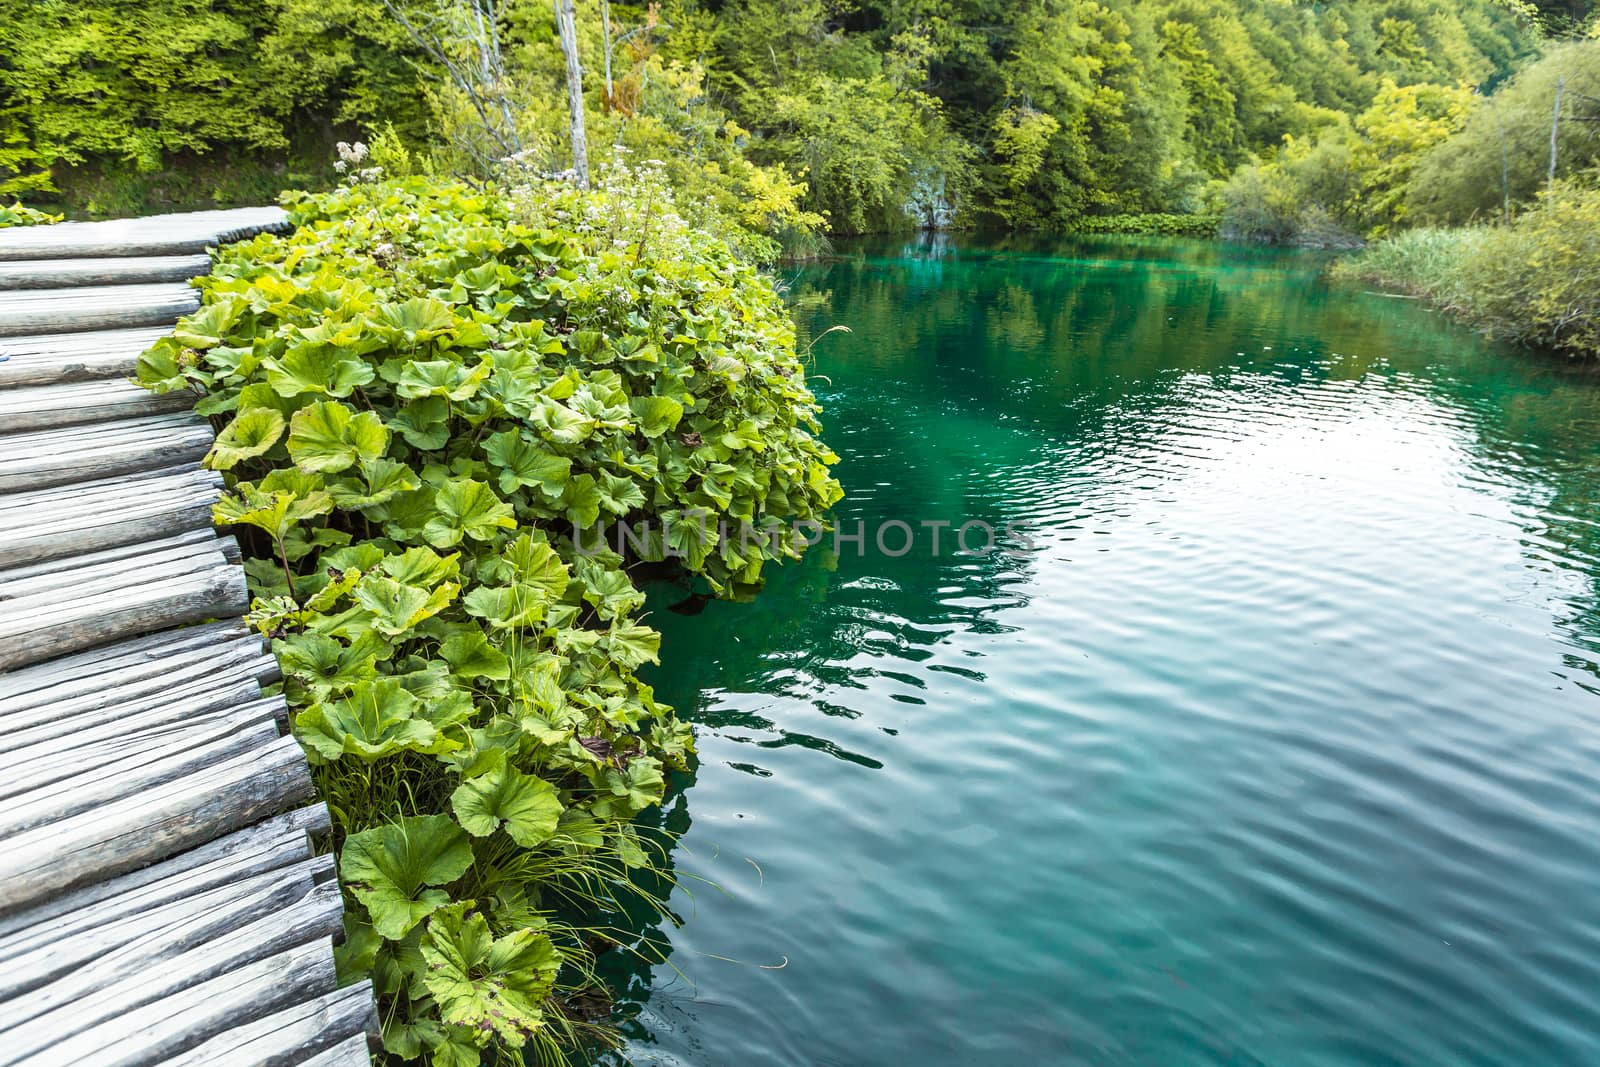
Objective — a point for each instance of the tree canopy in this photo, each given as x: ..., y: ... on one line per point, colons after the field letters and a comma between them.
x: 869, y: 114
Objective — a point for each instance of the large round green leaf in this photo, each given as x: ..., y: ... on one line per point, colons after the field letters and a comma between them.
x: 329, y: 437
x: 250, y: 434
x: 390, y: 869
x: 467, y: 508
x: 487, y: 982
x: 378, y: 719
x: 526, y: 805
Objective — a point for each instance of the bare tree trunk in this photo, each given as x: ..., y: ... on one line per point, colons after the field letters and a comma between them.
x: 567, y: 26
x: 1505, y: 166
x: 605, y: 21
x: 1555, y: 129
x: 463, y: 37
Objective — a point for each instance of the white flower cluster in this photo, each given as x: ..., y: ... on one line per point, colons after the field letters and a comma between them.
x: 351, y: 156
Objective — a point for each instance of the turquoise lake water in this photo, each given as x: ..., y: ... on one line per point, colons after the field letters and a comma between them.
x: 1279, y: 744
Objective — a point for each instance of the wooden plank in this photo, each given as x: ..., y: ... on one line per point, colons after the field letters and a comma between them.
x: 36, y: 628
x: 81, y: 683
x: 351, y: 1052
x: 278, y: 842
x: 25, y: 506
x: 40, y: 624
x: 71, y: 454
x: 101, y: 270
x: 47, y: 359
x: 84, y: 780
x: 45, y: 406
x: 257, y: 971
x: 335, y: 1021
x: 70, y: 959
x: 197, y: 687
x: 60, y: 747
x: 165, y: 819
x: 53, y: 523
x: 118, y: 565
x: 100, y: 307
x: 156, y: 235
x: 108, y: 561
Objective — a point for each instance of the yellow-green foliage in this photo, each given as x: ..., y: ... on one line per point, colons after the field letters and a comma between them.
x: 871, y: 114
x: 133, y: 84
x: 661, y: 113
x: 1503, y: 152
x: 17, y: 215
x: 434, y: 402
x: 1349, y: 180
x: 1069, y: 110
x: 1402, y: 124
x: 1021, y: 140
x: 1532, y: 282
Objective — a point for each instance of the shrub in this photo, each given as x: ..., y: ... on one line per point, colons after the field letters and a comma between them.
x: 425, y: 391
x: 1154, y: 225
x: 18, y: 215
x: 1531, y: 282
x: 1503, y: 152
x: 1305, y: 196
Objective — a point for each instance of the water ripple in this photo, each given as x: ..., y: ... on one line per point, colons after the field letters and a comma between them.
x: 1280, y: 746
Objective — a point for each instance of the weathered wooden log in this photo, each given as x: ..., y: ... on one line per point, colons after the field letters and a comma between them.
x: 57, y: 621
x: 192, y: 689
x: 41, y: 732
x: 58, y: 749
x: 167, y: 818
x: 176, y: 1012
x: 157, y: 235
x: 52, y: 791
x: 55, y: 523
x: 71, y: 454
x: 101, y: 677
x: 29, y: 506
x: 341, y: 1019
x: 48, y: 359
x: 351, y: 1052
x: 115, y: 566
x: 85, y: 957
x: 43, y: 407
x: 193, y: 544
x: 278, y: 842
x: 100, y: 270
x: 102, y: 307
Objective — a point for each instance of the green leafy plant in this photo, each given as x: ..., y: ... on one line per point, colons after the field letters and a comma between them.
x: 1530, y: 282
x: 18, y: 215
x: 1151, y: 225
x: 427, y: 395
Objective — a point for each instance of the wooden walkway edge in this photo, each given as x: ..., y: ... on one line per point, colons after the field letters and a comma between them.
x: 161, y: 902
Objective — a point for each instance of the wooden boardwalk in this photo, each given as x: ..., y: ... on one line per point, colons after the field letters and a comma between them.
x: 159, y: 899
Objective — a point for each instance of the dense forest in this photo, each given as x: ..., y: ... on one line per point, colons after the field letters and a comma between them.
x: 480, y: 340
x: 789, y: 116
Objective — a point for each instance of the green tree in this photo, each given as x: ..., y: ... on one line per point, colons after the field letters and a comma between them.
x: 1503, y: 151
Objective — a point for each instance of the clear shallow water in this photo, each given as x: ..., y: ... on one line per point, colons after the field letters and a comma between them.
x: 1281, y: 747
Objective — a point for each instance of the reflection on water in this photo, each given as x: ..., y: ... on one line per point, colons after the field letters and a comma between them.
x: 1280, y: 746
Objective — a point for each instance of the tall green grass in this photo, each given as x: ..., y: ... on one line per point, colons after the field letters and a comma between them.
x: 1534, y: 282
x: 1427, y: 262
